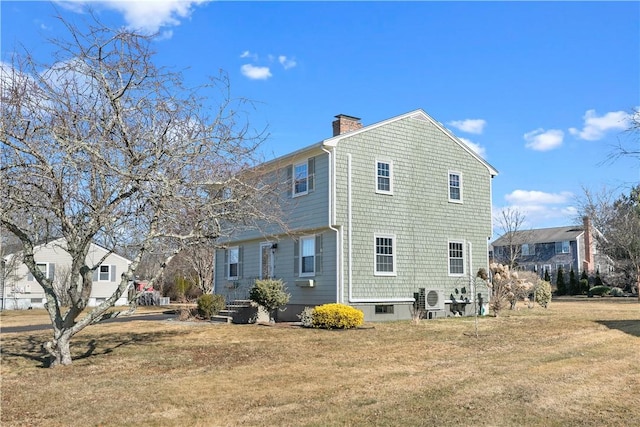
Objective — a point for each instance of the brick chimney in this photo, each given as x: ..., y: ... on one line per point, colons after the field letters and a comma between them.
x: 344, y: 123
x: 589, y: 262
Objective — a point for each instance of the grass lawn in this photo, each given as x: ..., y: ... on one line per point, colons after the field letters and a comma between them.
x: 576, y: 363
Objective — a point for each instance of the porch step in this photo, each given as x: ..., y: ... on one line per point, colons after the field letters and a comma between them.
x: 218, y: 318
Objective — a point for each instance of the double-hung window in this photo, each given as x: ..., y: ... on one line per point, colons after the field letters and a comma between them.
x: 528, y: 249
x: 233, y: 262
x: 307, y: 256
x: 385, y: 263
x: 48, y: 269
x: 562, y: 247
x: 384, y: 177
x: 300, y: 179
x: 455, y: 187
x: 104, y: 273
x: 456, y: 258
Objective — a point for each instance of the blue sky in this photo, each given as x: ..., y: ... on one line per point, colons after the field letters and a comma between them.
x: 542, y: 90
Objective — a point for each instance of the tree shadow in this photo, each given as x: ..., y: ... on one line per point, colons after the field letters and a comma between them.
x: 31, y: 347
x: 631, y: 327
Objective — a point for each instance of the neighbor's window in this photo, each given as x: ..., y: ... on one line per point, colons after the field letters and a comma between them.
x: 307, y: 256
x: 103, y: 274
x: 301, y: 179
x: 385, y: 252
x: 46, y: 268
x: 455, y: 187
x: 528, y: 249
x: 384, y: 177
x: 456, y: 258
x: 562, y: 247
x: 233, y: 255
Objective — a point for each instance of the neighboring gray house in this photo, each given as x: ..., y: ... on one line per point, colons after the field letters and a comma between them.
x: 571, y: 247
x: 22, y: 291
x: 379, y: 216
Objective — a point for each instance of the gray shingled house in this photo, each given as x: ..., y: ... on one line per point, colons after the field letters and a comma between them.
x: 550, y: 249
x: 380, y: 217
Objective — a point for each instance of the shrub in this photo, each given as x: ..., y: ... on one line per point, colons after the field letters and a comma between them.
x: 337, y: 316
x: 617, y: 292
x: 599, y: 290
x: 306, y: 317
x: 543, y: 293
x: 584, y: 286
x: 270, y: 294
x: 209, y: 305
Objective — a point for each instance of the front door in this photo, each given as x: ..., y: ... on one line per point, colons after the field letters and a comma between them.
x: 266, y: 261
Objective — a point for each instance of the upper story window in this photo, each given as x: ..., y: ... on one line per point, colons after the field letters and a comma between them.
x: 528, y: 249
x: 455, y: 187
x: 104, y: 274
x: 48, y: 269
x: 384, y: 177
x: 562, y: 247
x: 456, y: 258
x: 301, y: 175
x: 233, y: 263
x: 385, y: 264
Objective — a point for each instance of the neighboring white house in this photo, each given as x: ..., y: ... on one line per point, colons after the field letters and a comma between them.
x: 22, y: 291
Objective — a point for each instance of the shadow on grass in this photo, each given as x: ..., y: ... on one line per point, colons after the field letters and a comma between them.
x: 631, y: 327
x: 31, y: 347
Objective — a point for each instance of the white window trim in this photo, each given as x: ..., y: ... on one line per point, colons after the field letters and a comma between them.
x: 46, y: 271
x: 228, y: 266
x: 100, y: 272
x: 449, y: 173
x: 390, y: 163
x: 393, y: 255
x: 293, y: 179
x: 464, y: 264
x: 311, y: 237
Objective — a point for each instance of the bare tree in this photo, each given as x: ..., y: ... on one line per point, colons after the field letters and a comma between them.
x: 511, y: 222
x: 105, y: 146
x: 629, y: 143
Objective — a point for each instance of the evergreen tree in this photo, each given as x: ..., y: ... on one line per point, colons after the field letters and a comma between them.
x: 547, y: 278
x: 598, y: 280
x: 562, y: 287
x: 584, y: 283
x: 574, y: 286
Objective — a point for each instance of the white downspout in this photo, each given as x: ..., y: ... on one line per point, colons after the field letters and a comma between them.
x: 332, y: 218
x: 349, y: 248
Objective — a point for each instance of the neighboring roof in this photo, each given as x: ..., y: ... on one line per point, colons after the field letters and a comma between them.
x: 18, y: 248
x: 543, y: 235
x: 418, y: 114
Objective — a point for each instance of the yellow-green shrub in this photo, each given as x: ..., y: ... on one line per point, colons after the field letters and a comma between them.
x: 337, y: 316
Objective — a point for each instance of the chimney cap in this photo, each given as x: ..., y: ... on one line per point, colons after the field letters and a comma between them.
x: 346, y: 116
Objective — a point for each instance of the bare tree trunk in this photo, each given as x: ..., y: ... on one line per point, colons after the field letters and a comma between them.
x: 59, y: 349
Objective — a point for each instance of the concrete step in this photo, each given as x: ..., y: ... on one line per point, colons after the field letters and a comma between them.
x: 218, y: 318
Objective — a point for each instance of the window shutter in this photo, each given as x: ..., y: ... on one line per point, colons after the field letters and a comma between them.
x: 296, y: 258
x: 318, y: 254
x: 290, y: 180
x: 95, y: 274
x: 112, y: 269
x: 226, y: 263
x: 240, y: 260
x: 30, y: 277
x: 52, y: 271
x: 311, y: 171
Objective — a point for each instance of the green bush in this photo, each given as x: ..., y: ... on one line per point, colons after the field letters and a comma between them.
x: 599, y: 291
x: 337, y: 316
x: 617, y: 292
x: 209, y: 305
x: 543, y: 293
x: 270, y: 294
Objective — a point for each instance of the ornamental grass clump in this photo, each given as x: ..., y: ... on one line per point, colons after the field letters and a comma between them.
x: 337, y: 316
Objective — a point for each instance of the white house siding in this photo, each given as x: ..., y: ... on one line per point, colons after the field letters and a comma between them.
x: 418, y: 213
x: 22, y: 291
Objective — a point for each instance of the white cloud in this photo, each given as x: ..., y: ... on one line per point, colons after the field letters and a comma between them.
x: 254, y: 72
x: 287, y: 62
x: 479, y: 149
x: 595, y: 127
x: 537, y: 197
x: 469, y: 125
x: 148, y: 16
x: 544, y: 140
x: 248, y: 54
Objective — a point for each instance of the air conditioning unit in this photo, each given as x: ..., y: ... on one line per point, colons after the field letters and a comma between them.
x: 430, y: 299
x: 27, y: 289
x: 305, y: 283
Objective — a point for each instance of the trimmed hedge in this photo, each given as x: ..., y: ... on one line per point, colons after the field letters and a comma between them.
x: 599, y: 291
x: 337, y: 316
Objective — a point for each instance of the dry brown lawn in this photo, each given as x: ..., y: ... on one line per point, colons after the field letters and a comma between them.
x: 577, y: 363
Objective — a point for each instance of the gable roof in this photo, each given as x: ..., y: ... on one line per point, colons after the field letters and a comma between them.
x: 60, y: 241
x: 333, y: 141
x: 543, y: 235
